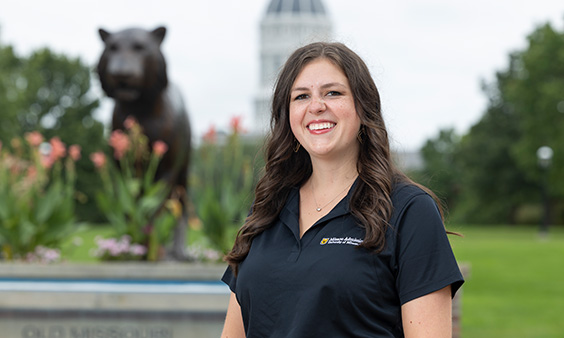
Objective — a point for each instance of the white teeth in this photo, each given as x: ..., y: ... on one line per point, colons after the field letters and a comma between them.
x: 319, y: 126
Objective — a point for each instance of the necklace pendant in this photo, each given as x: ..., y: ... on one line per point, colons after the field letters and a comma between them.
x: 318, y: 209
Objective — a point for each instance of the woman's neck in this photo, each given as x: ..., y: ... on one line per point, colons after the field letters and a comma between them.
x: 333, y: 173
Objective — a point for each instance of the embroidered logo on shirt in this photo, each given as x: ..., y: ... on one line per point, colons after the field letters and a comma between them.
x: 340, y: 240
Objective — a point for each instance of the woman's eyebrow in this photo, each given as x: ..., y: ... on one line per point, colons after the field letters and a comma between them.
x: 324, y: 86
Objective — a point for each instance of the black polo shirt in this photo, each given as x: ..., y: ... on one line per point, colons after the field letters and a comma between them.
x: 323, y: 285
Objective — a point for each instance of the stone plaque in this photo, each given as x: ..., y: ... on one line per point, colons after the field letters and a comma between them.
x: 87, y: 302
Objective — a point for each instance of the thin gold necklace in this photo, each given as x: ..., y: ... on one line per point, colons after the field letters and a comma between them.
x: 318, y: 208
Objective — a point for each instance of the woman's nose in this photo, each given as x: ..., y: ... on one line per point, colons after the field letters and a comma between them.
x: 317, y: 105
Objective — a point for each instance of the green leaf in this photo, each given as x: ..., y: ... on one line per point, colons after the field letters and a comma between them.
x: 125, y: 199
x: 4, y: 208
x: 149, y: 205
x: 104, y: 202
x: 26, y: 234
x: 46, y: 205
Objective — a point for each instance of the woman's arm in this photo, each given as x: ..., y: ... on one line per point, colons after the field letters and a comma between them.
x: 429, y: 315
x: 233, y: 327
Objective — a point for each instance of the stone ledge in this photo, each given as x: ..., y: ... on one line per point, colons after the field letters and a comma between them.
x: 172, y: 271
x: 122, y: 302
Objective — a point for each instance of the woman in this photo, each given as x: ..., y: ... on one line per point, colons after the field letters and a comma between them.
x: 339, y: 243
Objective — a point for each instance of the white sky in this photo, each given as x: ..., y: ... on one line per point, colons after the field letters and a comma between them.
x: 427, y: 57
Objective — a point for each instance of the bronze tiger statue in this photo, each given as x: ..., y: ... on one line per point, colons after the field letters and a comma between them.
x: 132, y: 71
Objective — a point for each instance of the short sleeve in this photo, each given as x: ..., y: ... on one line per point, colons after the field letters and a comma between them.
x: 229, y: 279
x: 425, y: 259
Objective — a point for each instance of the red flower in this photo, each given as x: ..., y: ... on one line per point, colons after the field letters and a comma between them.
x: 159, y: 147
x: 210, y: 135
x: 58, y: 149
x: 129, y: 122
x: 74, y: 152
x: 99, y: 159
x: 120, y: 142
x: 46, y: 161
x: 34, y: 138
x: 236, y: 124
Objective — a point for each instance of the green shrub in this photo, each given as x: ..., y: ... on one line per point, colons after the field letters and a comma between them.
x: 37, y: 195
x: 222, y: 180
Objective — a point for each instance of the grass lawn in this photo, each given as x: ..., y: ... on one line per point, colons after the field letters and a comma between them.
x: 79, y: 248
x: 516, y: 282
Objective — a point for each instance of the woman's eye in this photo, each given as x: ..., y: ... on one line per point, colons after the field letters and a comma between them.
x: 300, y: 97
x: 333, y: 93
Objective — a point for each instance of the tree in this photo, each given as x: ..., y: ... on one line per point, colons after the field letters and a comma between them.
x: 534, y: 87
x: 10, y: 66
x: 51, y: 93
x: 440, y: 172
x: 493, y: 186
x: 493, y: 171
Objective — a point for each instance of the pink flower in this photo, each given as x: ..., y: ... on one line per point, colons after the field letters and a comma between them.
x: 210, y: 135
x: 119, y: 248
x: 49, y: 255
x: 74, y: 152
x: 99, y: 159
x: 47, y: 161
x: 120, y: 142
x: 43, y: 254
x: 129, y: 122
x: 159, y: 147
x: 137, y: 250
x: 212, y: 255
x: 34, y: 138
x: 58, y: 149
x: 236, y: 124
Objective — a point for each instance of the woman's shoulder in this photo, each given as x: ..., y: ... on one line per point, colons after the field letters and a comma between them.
x: 409, y: 196
x: 405, y: 191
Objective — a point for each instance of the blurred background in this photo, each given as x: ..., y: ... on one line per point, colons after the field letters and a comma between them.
x: 472, y: 93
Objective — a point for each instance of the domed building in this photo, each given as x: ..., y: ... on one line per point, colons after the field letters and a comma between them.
x: 286, y: 25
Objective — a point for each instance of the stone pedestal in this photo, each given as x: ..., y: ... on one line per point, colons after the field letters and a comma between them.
x: 129, y: 300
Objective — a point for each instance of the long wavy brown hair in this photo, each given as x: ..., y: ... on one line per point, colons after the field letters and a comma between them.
x: 370, y: 202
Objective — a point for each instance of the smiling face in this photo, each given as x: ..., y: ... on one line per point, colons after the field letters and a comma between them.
x: 323, y: 117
